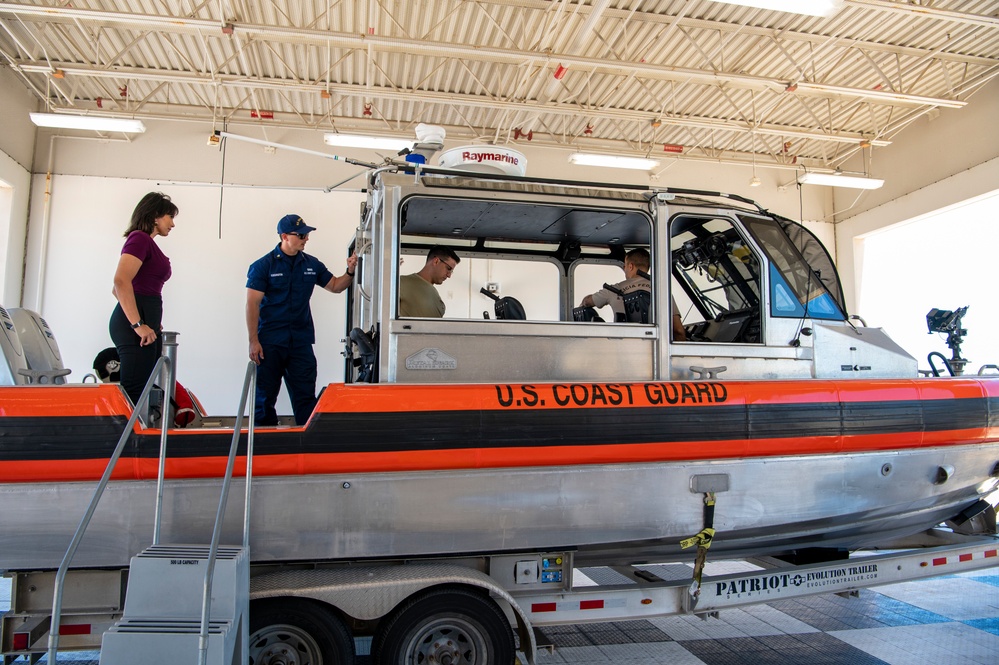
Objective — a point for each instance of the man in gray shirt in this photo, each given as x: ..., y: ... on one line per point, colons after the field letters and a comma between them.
x: 635, y: 261
x: 417, y: 293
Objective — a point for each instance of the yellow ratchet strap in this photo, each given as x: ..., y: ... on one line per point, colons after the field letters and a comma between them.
x: 702, y: 539
x: 703, y: 542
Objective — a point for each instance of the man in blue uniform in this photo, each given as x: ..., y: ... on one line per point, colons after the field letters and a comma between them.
x: 279, y: 319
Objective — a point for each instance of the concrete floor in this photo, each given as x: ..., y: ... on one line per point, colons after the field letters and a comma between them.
x: 942, y: 621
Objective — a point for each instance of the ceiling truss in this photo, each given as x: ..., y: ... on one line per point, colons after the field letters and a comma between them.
x: 698, y: 79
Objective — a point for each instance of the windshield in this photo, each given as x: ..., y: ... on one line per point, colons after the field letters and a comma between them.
x: 796, y: 290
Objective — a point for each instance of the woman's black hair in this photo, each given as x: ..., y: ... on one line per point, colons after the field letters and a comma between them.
x: 152, y: 206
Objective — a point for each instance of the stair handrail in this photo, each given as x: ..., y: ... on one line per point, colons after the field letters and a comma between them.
x: 249, y: 385
x: 170, y: 380
x: 60, y: 577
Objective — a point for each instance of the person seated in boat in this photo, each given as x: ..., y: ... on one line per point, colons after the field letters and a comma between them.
x: 279, y: 322
x: 417, y: 292
x: 636, y: 266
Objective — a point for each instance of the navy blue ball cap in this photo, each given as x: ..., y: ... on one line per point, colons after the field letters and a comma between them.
x: 294, y: 224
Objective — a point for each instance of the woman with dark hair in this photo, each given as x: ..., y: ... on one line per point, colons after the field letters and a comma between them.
x: 138, y: 285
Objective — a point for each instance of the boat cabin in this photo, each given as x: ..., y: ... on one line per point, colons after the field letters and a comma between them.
x: 758, y: 294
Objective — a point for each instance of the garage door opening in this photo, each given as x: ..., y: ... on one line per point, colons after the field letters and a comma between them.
x: 945, y: 259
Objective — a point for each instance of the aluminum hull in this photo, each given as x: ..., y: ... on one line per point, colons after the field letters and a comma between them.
x: 868, y: 465
x: 613, y: 512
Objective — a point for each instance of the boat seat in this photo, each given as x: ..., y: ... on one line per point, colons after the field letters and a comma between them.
x: 637, y: 304
x: 507, y: 308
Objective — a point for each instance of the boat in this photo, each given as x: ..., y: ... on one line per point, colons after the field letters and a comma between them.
x: 541, y: 428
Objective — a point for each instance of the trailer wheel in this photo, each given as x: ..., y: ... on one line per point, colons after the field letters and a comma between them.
x: 445, y: 627
x: 298, y: 632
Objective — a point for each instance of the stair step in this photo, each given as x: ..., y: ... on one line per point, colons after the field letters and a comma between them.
x: 167, y: 581
x: 167, y: 626
x: 189, y: 552
x: 168, y: 642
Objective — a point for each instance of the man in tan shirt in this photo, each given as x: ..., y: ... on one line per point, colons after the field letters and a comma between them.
x: 417, y: 293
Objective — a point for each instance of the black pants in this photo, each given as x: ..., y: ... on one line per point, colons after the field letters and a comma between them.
x: 137, y: 361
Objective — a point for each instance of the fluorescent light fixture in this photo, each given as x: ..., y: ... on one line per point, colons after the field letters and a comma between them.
x: 807, y: 7
x: 840, y: 180
x: 613, y: 161
x: 372, y: 142
x: 94, y: 122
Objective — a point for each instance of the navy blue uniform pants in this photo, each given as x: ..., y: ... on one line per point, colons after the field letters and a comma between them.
x: 298, y: 369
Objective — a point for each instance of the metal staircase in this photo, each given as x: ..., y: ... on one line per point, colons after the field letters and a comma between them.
x: 161, y: 624
x: 184, y: 603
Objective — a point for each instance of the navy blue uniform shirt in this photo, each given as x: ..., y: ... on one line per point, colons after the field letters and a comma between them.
x: 287, y: 283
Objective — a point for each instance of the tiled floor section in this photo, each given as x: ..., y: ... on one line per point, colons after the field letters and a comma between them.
x: 943, y: 621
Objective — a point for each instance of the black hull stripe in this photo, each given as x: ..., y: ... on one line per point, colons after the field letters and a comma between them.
x: 69, y: 438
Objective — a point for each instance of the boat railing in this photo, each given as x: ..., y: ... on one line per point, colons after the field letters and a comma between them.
x: 249, y: 388
x: 933, y: 368
x: 163, y: 363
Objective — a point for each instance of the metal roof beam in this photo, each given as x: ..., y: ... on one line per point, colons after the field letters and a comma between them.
x: 493, y: 54
x: 363, y: 91
x: 188, y: 113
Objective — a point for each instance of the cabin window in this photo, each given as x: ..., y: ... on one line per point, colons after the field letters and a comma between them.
x: 533, y: 283
x: 716, y: 281
x: 520, y: 250
x: 795, y: 289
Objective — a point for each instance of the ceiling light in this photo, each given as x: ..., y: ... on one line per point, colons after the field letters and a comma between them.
x: 94, y: 122
x: 840, y: 180
x: 372, y: 142
x: 613, y: 161
x: 808, y: 7
x: 755, y: 182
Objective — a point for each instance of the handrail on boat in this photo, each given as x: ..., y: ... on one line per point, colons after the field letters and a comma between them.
x: 98, y: 493
x: 249, y: 387
x: 933, y: 368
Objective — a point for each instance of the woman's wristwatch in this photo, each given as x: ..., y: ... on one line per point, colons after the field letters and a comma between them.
x: 138, y: 324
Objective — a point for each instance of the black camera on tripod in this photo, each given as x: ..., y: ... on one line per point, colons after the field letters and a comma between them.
x: 946, y: 321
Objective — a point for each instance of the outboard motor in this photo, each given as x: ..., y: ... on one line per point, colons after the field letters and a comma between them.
x: 40, y: 349
x: 12, y: 360
x: 507, y: 307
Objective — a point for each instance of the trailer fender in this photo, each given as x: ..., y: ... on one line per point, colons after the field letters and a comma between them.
x: 371, y: 592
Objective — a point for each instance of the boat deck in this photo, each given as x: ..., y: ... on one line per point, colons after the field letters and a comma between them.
x: 952, y: 619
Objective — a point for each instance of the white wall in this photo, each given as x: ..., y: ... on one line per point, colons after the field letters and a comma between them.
x: 933, y: 148
x: 17, y: 138
x: 14, y: 190
x: 210, y: 253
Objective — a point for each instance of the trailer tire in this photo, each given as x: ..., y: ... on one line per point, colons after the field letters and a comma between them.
x: 451, y: 626
x: 299, y: 632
